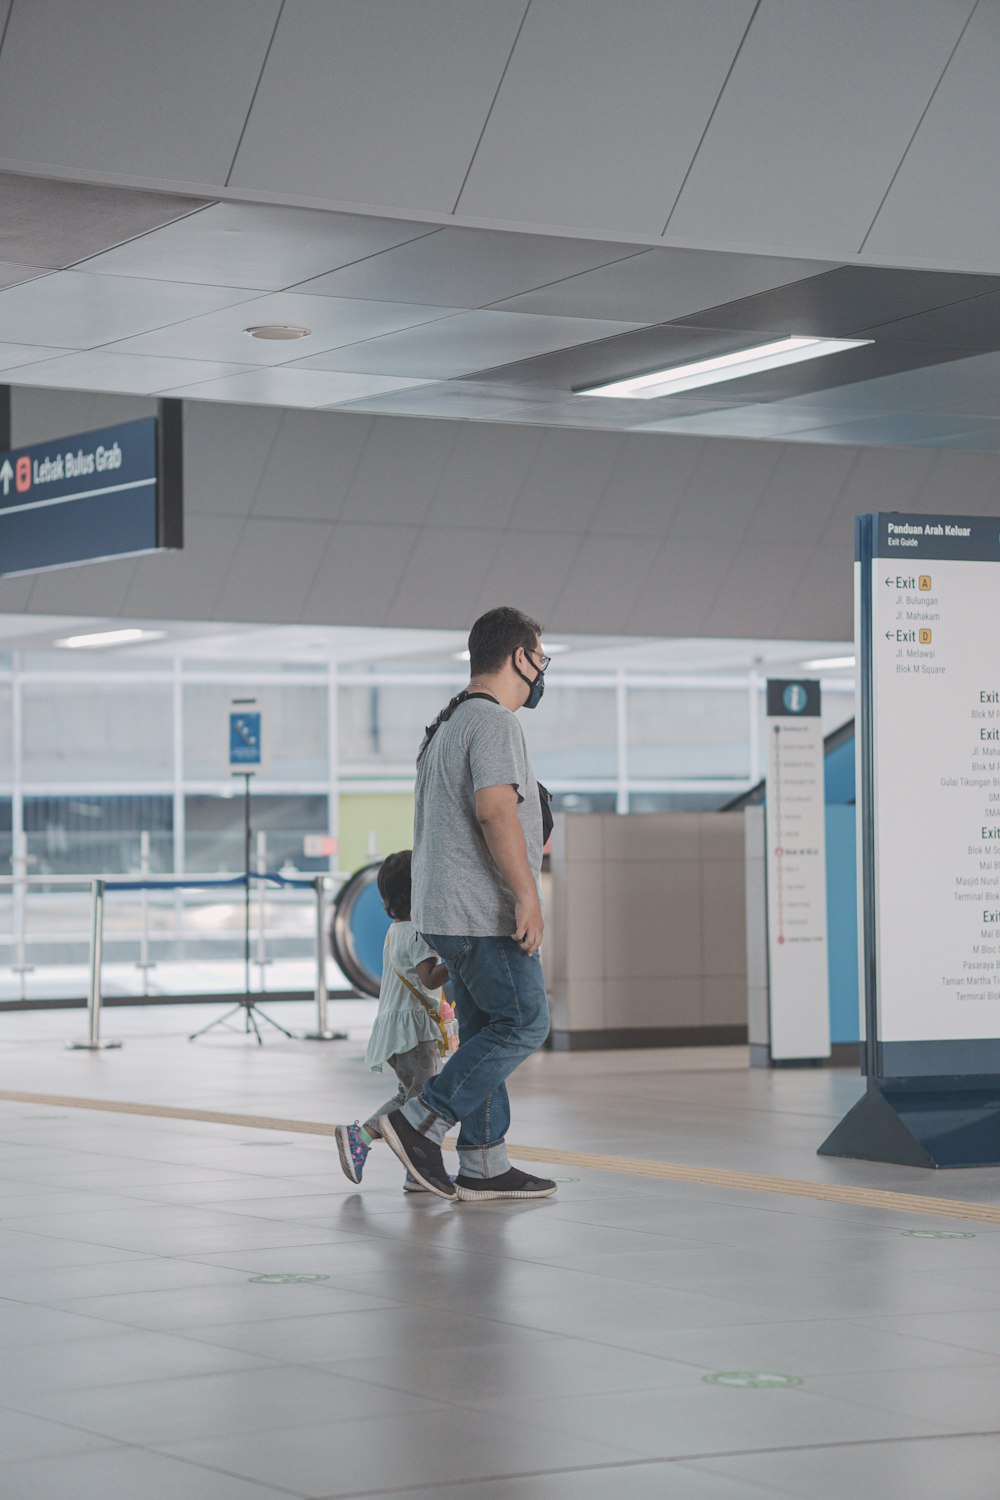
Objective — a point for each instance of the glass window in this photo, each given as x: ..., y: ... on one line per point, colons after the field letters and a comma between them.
x: 97, y: 733
x: 6, y: 735
x: 688, y: 732
x: 573, y: 734
x: 381, y: 727
x: 137, y: 662
x: 295, y: 730
x: 372, y: 825
x: 584, y: 802
x: 97, y: 834
x: 214, y: 831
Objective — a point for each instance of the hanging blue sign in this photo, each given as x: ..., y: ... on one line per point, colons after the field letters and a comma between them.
x: 246, y: 740
x: 115, y: 492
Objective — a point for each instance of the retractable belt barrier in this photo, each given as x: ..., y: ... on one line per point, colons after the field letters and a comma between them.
x: 99, y: 888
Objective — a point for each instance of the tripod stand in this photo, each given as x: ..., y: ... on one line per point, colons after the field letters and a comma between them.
x: 247, y: 1004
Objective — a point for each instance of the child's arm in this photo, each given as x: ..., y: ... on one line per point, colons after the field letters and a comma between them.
x: 432, y: 974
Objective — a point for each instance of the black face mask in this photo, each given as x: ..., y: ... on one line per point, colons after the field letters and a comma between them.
x: 537, y: 684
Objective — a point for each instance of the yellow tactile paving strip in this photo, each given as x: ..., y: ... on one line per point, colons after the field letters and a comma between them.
x: 749, y: 1182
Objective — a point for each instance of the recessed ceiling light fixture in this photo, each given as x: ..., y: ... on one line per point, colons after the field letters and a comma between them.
x: 110, y: 638
x: 278, y: 331
x: 788, y: 351
x: 829, y: 663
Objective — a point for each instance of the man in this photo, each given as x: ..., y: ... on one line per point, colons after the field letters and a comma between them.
x: 477, y: 854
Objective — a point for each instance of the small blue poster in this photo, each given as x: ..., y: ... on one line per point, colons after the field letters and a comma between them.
x: 245, y: 740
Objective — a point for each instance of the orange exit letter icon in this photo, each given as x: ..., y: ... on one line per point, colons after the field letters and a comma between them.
x: 926, y: 636
x: 22, y: 474
x: 925, y: 583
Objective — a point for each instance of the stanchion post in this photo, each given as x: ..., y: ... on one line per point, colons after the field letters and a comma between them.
x: 322, y: 1032
x: 94, y: 1042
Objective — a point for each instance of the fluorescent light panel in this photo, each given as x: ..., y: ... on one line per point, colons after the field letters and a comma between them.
x: 689, y: 377
x: 829, y: 663
x: 109, y: 638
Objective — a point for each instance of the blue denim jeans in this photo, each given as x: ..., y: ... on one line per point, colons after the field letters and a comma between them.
x: 503, y: 1016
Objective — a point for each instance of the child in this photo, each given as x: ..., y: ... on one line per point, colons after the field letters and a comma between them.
x: 410, y: 1031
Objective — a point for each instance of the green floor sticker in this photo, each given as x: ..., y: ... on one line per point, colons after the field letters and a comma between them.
x: 937, y: 1234
x: 752, y: 1380
x: 277, y: 1278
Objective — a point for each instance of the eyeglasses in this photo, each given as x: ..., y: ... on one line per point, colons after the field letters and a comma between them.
x: 545, y: 663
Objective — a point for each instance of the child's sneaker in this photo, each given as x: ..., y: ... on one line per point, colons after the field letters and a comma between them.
x: 352, y: 1150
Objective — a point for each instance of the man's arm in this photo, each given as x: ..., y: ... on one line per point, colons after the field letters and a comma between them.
x: 496, y: 810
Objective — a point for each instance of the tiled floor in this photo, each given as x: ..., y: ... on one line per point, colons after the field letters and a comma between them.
x: 550, y: 1351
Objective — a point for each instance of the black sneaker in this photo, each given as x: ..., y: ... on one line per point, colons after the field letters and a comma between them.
x: 510, y: 1184
x: 421, y: 1157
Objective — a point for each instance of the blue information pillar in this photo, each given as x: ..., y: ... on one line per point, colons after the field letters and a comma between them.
x: 928, y: 601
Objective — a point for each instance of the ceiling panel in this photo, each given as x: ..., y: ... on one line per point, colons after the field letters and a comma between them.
x: 613, y: 357
x: 754, y: 590
x: 468, y: 268
x: 566, y: 482
x: 953, y: 384
x: 185, y: 585
x: 972, y: 323
x: 253, y: 245
x: 227, y: 451
x: 943, y: 203
x: 657, y: 286
x: 78, y: 311
x: 626, y: 89
x: 760, y: 420
x: 355, y: 555
x: 54, y: 224
x: 334, y: 321
x: 310, y: 466
x: 71, y: 590
x: 406, y: 87
x: 845, y: 300
x: 608, y: 569
x: 13, y: 275
x: 532, y: 574
x: 462, y: 556
x: 37, y: 416
x: 468, y: 341
x: 398, y: 476
x: 16, y: 356
x: 800, y: 497
x: 649, y: 481
x: 814, y: 121
x: 451, y: 399
x: 891, y: 430
x: 485, y: 470
x: 132, y: 86
x: 270, y: 570
x: 847, y: 369
x: 681, y: 587
x: 739, y: 470
x: 278, y: 386
x: 131, y: 373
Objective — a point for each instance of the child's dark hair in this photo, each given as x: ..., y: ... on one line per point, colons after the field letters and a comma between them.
x: 394, y: 884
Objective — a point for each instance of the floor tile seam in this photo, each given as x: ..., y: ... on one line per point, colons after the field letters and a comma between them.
x: 193, y: 1463
x: 992, y: 1354
x: 756, y: 1182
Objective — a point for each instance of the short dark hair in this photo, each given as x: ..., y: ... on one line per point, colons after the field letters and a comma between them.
x: 496, y: 636
x: 394, y: 884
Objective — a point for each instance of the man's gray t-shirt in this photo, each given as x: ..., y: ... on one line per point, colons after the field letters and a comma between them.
x: 457, y: 889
